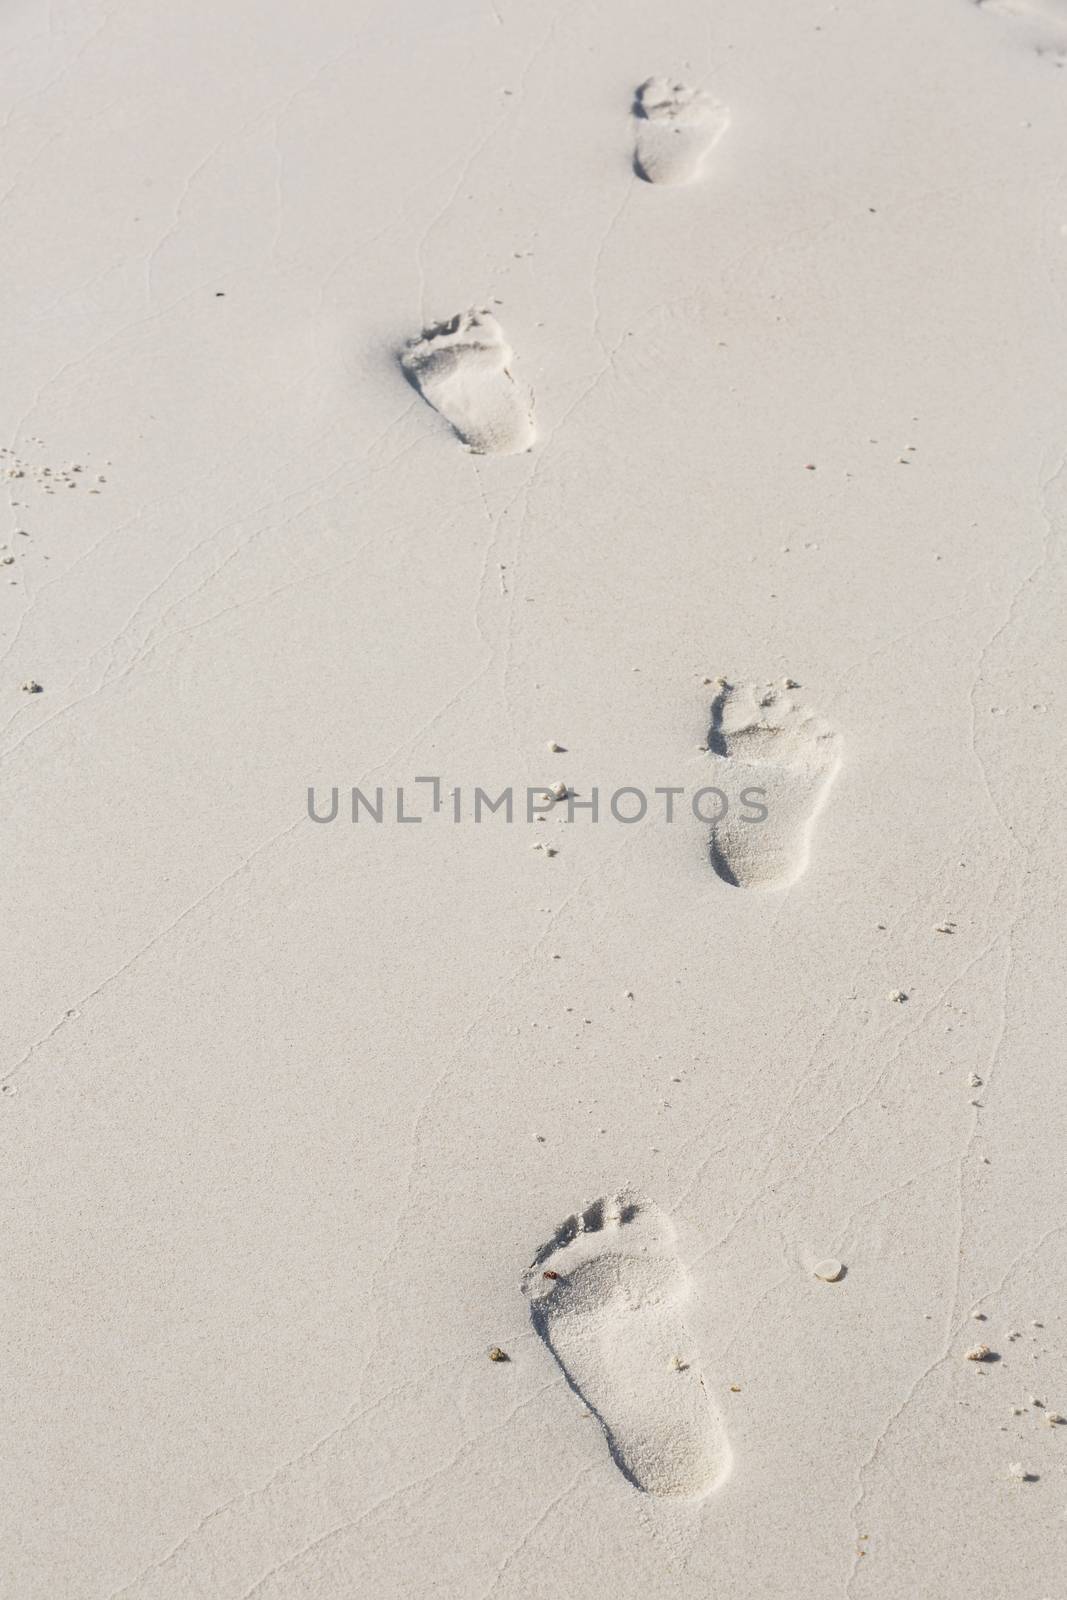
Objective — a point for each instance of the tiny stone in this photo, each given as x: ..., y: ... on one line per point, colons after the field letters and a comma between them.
x: 790, y: 683
x: 1018, y: 1471
x: 980, y: 1352
x: 7, y: 561
x: 975, y: 1081
x: 898, y: 995
x: 31, y: 686
x: 1054, y: 1419
x: 829, y: 1270
x: 1034, y: 1401
x: 559, y: 792
x: 979, y: 1316
x: 496, y: 1354
x: 555, y: 748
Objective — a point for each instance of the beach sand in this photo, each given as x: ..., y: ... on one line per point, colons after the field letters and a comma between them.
x: 622, y: 398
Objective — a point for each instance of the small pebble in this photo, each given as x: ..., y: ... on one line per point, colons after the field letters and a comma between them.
x: 829, y: 1271
x: 31, y: 686
x: 898, y: 995
x: 556, y: 749
x: 1018, y: 1471
x: 980, y: 1352
x: 496, y: 1354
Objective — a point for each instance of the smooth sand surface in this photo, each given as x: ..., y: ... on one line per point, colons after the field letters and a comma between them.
x: 369, y: 417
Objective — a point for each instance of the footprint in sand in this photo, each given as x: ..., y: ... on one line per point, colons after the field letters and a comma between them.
x: 605, y: 1295
x: 675, y: 127
x: 775, y: 746
x: 1043, y: 22
x: 463, y: 369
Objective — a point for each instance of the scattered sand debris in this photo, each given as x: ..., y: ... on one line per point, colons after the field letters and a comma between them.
x: 550, y: 1274
x: 979, y: 1352
x: 974, y: 1081
x: 829, y: 1271
x: 1034, y: 1401
x: 496, y: 1354
x: 945, y: 927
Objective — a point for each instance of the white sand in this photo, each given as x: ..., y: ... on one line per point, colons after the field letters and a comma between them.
x: 291, y: 1108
